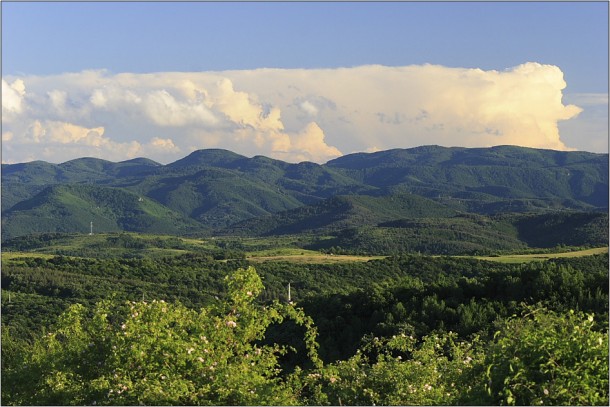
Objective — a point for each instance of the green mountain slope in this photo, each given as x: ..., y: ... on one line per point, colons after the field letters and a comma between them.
x: 342, y: 211
x: 71, y: 208
x: 217, y: 197
x: 472, y: 234
x: 23, y: 181
x: 219, y: 189
x: 482, y: 177
x: 568, y: 229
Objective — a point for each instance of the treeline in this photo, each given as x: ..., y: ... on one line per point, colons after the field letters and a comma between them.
x: 419, y: 294
x: 121, y: 245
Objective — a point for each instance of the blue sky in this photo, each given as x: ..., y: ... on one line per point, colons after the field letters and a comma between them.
x: 45, y: 40
x: 51, y: 38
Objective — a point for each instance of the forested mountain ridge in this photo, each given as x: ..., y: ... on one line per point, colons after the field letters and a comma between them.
x: 502, y: 172
x: 212, y: 190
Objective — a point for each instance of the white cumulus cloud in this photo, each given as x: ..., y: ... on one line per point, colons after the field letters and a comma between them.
x: 290, y: 114
x: 12, y: 99
x: 165, y: 110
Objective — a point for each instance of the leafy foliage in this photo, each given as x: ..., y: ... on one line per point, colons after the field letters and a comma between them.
x: 399, y: 371
x: 160, y: 353
x: 164, y: 353
x: 548, y: 358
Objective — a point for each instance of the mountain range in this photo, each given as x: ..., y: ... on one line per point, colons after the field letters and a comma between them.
x: 220, y: 192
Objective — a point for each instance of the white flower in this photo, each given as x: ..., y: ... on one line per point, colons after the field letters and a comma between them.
x: 231, y: 324
x: 546, y: 392
x: 249, y: 293
x: 190, y: 350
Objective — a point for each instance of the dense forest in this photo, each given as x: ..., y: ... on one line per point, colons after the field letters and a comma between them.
x: 408, y: 329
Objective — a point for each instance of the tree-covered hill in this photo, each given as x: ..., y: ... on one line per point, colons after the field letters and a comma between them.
x: 71, y: 208
x: 471, y: 234
x: 340, y: 212
x: 476, y: 174
x: 214, y: 190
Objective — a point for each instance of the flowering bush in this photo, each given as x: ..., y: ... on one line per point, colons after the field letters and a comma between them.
x: 161, y: 354
x: 398, y: 371
x: 548, y: 358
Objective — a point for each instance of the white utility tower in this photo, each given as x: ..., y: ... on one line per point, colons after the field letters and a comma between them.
x: 91, y: 229
x: 289, y: 300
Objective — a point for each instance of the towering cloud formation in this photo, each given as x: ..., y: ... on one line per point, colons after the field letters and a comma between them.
x: 293, y: 115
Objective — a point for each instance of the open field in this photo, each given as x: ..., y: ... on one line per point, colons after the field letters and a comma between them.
x: 318, y: 258
x: 312, y: 257
x: 14, y: 257
x: 304, y: 256
x: 256, y: 250
x: 525, y: 258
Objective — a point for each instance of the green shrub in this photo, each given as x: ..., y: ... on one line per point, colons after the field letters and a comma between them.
x: 160, y: 353
x: 548, y: 358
